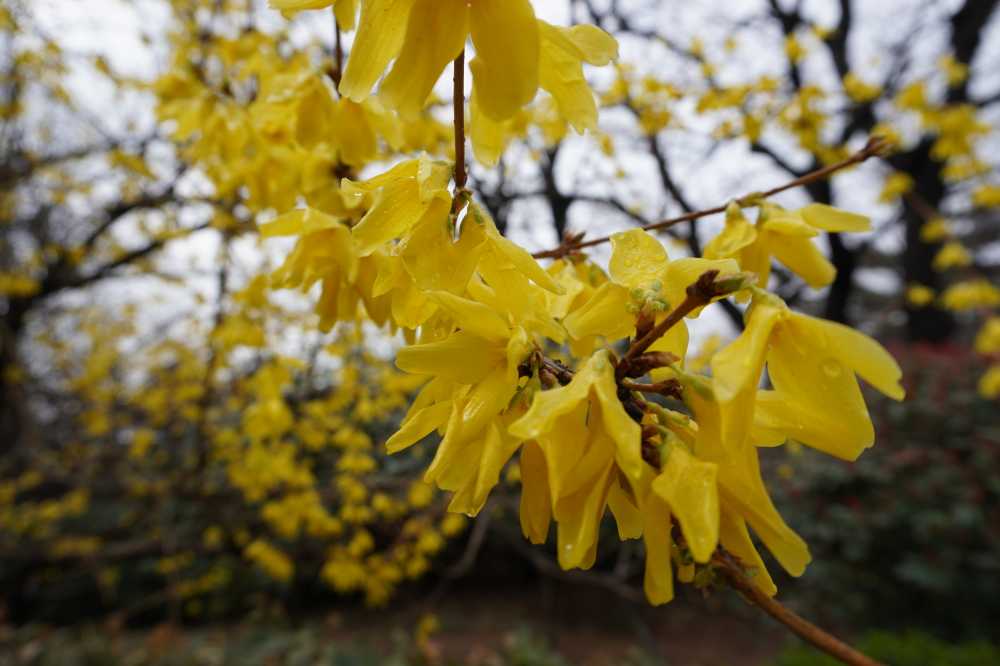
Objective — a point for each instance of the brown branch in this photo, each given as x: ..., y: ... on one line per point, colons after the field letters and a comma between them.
x: 875, y: 146
x: 732, y: 570
x: 697, y: 295
x: 458, y: 112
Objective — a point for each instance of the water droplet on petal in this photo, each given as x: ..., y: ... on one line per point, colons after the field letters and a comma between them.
x: 832, y: 368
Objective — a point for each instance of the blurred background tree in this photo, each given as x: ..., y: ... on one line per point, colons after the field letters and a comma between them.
x: 179, y: 440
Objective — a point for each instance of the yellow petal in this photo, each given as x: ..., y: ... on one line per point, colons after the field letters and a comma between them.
x: 605, y: 314
x: 627, y: 515
x: 735, y: 538
x: 637, y: 259
x: 829, y: 218
x: 418, y: 426
x: 435, y: 35
x: 536, y: 507
x: 688, y: 486
x: 859, y: 352
x: 378, y: 41
x: 737, y: 368
x: 659, y: 577
x: 462, y: 357
x: 472, y: 316
x: 579, y: 516
x: 505, y: 71
x: 803, y: 258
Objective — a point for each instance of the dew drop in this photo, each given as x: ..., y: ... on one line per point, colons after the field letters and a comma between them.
x: 831, y: 368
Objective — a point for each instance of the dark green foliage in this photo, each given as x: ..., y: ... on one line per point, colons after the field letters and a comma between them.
x: 909, y: 649
x: 909, y: 535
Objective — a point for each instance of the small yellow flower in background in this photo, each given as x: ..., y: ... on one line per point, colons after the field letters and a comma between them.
x: 955, y: 72
x: 986, y: 196
x: 989, y: 383
x: 988, y: 338
x: 858, y: 90
x: 919, y: 295
x: 896, y: 185
x: 794, y: 49
x: 935, y: 230
x: 786, y: 236
x: 951, y: 255
x: 971, y: 295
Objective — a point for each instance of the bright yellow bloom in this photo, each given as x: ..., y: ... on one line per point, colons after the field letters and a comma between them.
x: 951, y: 255
x: 324, y: 252
x: 971, y: 295
x: 643, y: 279
x: 785, y: 235
x: 812, y: 364
x: 423, y: 36
x: 988, y: 338
x: 989, y: 383
x: 919, y: 295
x: 584, y: 434
x: 563, y: 52
x: 475, y: 376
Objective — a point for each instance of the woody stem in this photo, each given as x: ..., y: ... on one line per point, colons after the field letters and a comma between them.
x: 872, y: 148
x: 458, y: 112
x: 736, y: 577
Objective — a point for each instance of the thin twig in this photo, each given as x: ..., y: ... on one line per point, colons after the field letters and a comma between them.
x: 458, y: 112
x: 697, y: 295
x: 875, y: 146
x: 736, y: 577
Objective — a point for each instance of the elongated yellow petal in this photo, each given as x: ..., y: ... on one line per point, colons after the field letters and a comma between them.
x: 378, y: 41
x: 627, y: 515
x: 735, y: 538
x: 472, y: 316
x: 561, y: 74
x: 462, y: 357
x: 737, y: 368
x: 505, y: 71
x: 857, y: 351
x: 605, y: 314
x: 488, y: 136
x: 579, y: 516
x: 433, y: 259
x: 421, y: 424
x: 807, y: 371
x: 536, y: 506
x: 804, y: 258
x: 659, y: 576
x: 346, y: 12
x: 829, y: 218
x: 688, y: 486
x: 435, y: 35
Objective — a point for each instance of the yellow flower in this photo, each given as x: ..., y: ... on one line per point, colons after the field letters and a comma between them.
x: 424, y: 36
x: 971, y: 295
x: 988, y: 338
x: 584, y: 434
x: 785, y: 235
x: 951, y: 255
x: 324, y: 252
x: 474, y: 377
x: 563, y: 52
x: 346, y: 11
x: 989, y: 383
x: 643, y: 279
x: 812, y: 364
x: 919, y: 295
x: 398, y: 200
x: 722, y: 438
x: 896, y: 185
